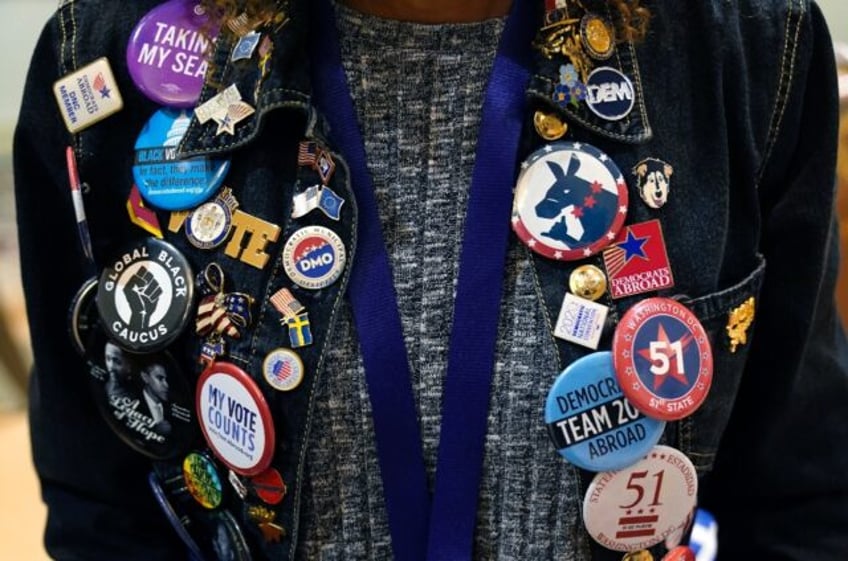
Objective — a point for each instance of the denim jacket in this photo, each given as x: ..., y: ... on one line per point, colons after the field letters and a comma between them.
x: 739, y: 96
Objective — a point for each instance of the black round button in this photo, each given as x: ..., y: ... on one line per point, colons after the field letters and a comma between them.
x: 144, y: 399
x: 144, y: 296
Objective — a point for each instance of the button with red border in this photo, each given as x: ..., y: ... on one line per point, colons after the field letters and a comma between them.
x: 638, y: 507
x: 570, y: 201
x: 235, y: 418
x: 663, y: 359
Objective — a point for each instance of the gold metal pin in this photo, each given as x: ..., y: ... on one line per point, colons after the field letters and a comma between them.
x: 549, y: 126
x: 739, y: 322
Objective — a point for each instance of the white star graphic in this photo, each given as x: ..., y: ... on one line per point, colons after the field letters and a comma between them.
x: 558, y: 255
x: 532, y: 243
x: 604, y: 157
x: 525, y: 165
x: 587, y: 252
x: 548, y: 148
x: 578, y: 145
x: 610, y: 236
x: 622, y: 209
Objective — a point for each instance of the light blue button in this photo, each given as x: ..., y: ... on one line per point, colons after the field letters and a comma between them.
x: 591, y: 423
x: 164, y: 181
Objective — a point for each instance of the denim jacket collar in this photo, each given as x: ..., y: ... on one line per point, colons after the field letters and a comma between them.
x: 286, y: 85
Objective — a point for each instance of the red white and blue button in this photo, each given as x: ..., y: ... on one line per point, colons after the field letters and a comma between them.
x: 235, y: 419
x: 591, y: 423
x: 314, y: 257
x: 570, y: 201
x: 663, y: 358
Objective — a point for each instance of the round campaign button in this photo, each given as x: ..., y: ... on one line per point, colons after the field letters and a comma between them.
x: 177, y: 522
x: 591, y: 423
x: 202, y: 480
x: 609, y: 93
x: 663, y: 358
x: 283, y: 369
x: 314, y: 257
x: 145, y: 294
x: 235, y: 418
x: 145, y: 399
x: 680, y: 553
x: 637, y: 507
x: 208, y: 226
x: 570, y: 201
x: 269, y: 486
x: 167, y: 51
x: 165, y: 181
x: 82, y: 317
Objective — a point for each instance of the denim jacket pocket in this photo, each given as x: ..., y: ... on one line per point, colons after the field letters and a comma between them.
x: 698, y: 435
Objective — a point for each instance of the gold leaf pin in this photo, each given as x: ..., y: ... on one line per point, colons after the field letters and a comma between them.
x: 738, y: 322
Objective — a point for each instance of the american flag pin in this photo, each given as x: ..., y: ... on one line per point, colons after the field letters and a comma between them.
x: 283, y: 369
x: 220, y: 314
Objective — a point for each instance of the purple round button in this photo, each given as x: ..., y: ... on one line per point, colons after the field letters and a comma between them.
x: 167, y: 52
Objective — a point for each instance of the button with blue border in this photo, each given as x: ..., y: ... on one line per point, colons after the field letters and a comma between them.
x: 164, y: 181
x: 591, y: 423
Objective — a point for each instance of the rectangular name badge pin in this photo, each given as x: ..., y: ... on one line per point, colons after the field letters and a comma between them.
x: 581, y: 321
x: 88, y: 95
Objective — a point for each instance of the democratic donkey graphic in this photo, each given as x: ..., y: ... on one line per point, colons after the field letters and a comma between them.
x: 583, y: 210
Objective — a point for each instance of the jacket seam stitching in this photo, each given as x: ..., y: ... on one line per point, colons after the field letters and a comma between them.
x: 784, y: 86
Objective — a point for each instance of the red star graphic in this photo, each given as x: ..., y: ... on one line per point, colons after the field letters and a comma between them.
x: 589, y: 201
x: 577, y: 211
x: 596, y: 187
x: 675, y: 370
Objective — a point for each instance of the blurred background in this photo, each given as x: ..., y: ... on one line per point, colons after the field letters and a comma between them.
x: 21, y: 512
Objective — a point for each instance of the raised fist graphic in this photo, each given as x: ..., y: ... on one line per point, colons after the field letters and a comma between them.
x: 142, y: 292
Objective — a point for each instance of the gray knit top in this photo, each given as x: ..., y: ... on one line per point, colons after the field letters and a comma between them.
x: 418, y: 91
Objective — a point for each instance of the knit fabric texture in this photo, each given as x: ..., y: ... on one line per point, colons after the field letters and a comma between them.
x: 418, y: 91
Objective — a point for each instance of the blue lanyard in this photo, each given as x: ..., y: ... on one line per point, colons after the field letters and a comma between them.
x: 443, y: 531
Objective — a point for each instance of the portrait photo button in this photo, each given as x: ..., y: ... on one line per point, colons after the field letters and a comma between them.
x: 145, y: 295
x: 235, y: 419
x: 144, y: 399
x: 663, y: 358
x: 637, y: 507
x: 167, y: 52
x: 164, y: 181
x: 591, y: 423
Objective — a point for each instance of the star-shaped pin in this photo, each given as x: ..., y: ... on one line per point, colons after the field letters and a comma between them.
x: 633, y: 247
